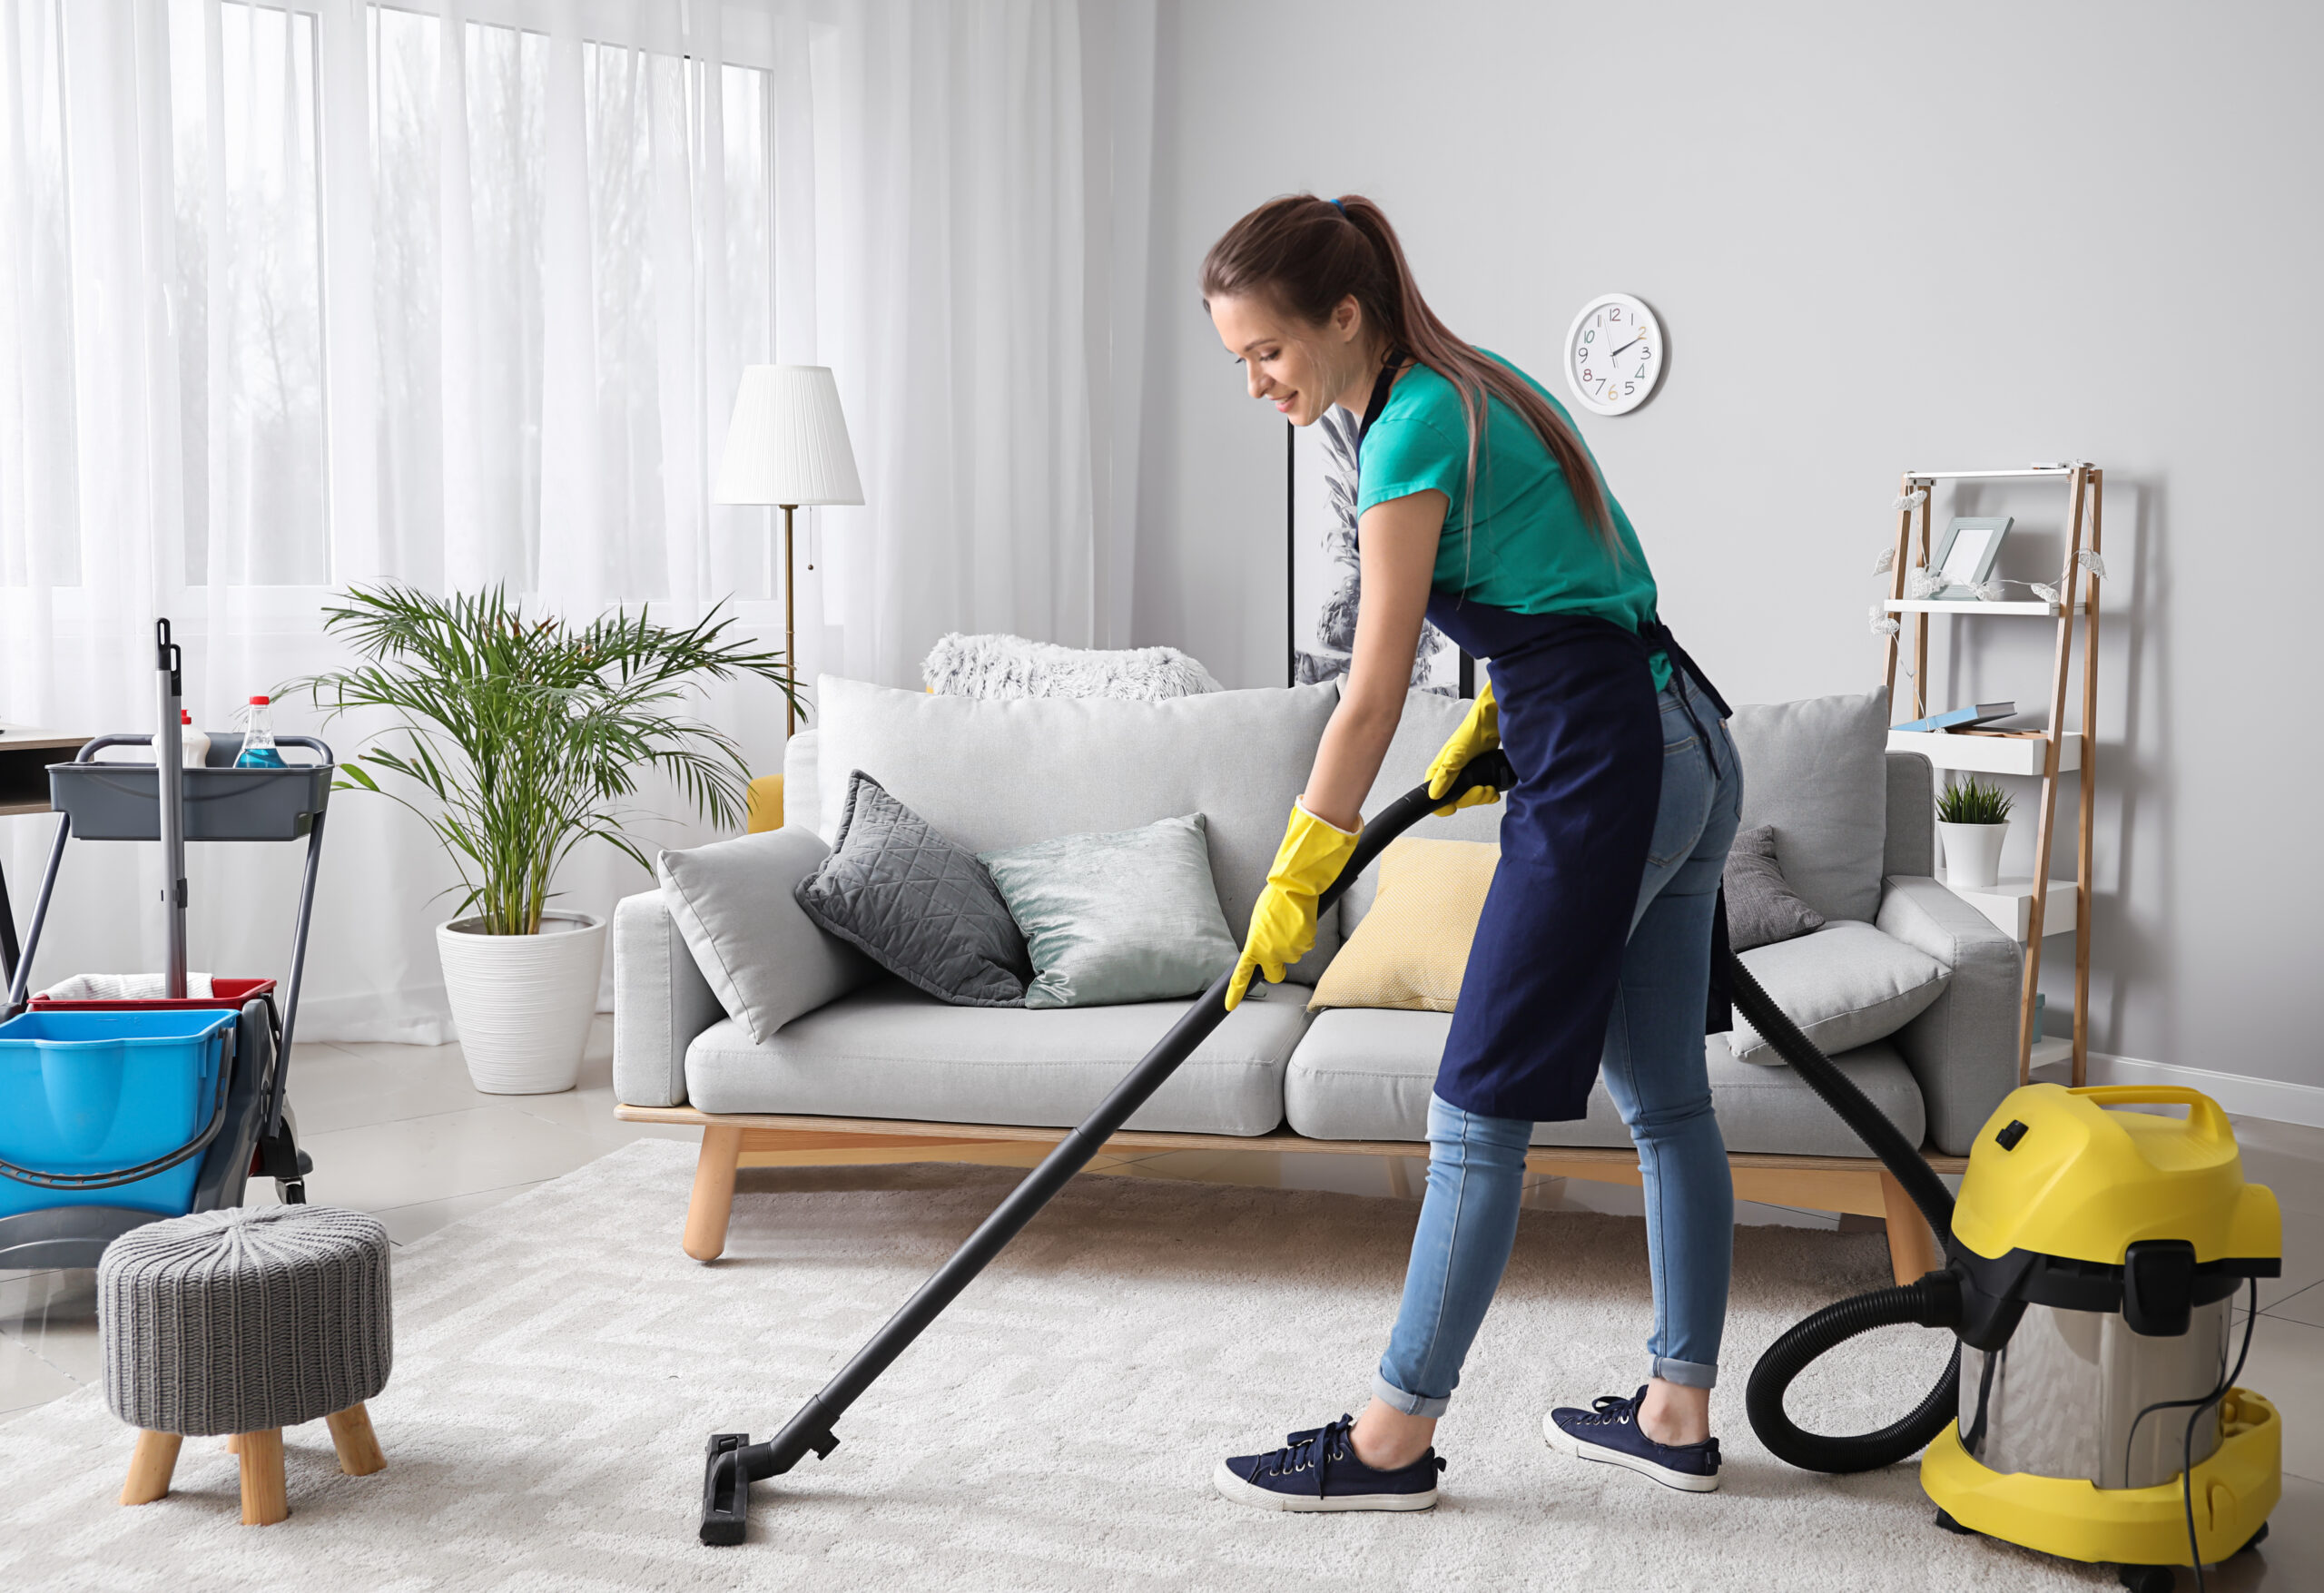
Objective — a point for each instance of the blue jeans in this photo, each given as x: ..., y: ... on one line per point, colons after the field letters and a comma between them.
x: 1654, y: 1069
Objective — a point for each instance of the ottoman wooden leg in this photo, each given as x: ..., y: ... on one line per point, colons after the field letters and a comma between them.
x: 358, y: 1445
x: 233, y: 1443
x: 264, y: 1503
x: 150, y: 1467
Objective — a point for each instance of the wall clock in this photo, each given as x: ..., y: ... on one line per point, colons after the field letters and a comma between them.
x: 1613, y: 354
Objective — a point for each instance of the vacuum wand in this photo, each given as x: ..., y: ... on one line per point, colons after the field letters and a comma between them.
x: 733, y: 1462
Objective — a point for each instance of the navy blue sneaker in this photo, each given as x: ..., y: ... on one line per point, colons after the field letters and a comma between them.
x: 1609, y: 1432
x: 1317, y: 1470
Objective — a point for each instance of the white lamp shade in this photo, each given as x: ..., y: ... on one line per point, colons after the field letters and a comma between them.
x: 787, y: 443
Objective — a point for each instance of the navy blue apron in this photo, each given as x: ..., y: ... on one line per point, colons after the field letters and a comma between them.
x: 1583, y: 732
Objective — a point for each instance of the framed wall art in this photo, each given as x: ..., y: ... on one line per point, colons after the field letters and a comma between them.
x: 1324, y: 588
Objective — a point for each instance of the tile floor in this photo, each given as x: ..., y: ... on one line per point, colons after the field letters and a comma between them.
x: 400, y: 1131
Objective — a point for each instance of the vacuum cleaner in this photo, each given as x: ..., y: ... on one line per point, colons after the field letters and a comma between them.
x: 2092, y: 1262
x: 2090, y: 1409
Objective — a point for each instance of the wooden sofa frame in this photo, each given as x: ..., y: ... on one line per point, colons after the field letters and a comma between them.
x: 1850, y: 1186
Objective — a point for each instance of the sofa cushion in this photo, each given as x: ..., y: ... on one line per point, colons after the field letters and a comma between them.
x: 799, y: 792
x: 1112, y: 918
x: 1817, y: 770
x: 889, y: 1051
x: 999, y: 774
x: 915, y: 903
x: 766, y: 961
x: 1761, y: 908
x: 1366, y: 1074
x: 1846, y: 985
x: 1411, y: 949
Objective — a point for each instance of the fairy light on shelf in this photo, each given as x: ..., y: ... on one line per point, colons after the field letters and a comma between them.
x: 1922, y: 584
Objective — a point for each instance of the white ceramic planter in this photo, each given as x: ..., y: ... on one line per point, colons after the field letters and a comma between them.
x: 1971, y: 852
x: 523, y: 1003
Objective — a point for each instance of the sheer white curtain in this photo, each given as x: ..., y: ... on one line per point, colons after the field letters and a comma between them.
x: 456, y: 291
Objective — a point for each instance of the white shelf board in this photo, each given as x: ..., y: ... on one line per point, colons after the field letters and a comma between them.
x: 1986, y: 754
x: 2052, y: 1048
x: 2009, y: 903
x: 1987, y: 475
x: 2030, y: 606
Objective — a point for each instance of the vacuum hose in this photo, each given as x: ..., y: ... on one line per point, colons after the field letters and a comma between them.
x: 1933, y: 1301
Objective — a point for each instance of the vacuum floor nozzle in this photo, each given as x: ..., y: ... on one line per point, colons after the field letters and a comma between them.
x: 725, y: 1491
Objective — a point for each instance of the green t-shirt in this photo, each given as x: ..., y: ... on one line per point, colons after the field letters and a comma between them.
x: 1524, y: 546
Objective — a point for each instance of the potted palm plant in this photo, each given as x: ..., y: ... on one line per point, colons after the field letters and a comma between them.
x: 1974, y: 818
x: 516, y: 740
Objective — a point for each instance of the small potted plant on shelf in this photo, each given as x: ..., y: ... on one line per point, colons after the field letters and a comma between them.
x: 1973, y: 817
x: 516, y: 740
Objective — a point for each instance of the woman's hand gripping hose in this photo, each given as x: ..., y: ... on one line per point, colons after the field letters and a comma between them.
x: 1282, y: 921
x: 1480, y: 732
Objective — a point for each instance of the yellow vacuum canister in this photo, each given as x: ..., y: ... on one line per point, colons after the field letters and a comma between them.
x: 2106, y: 1419
x: 2094, y: 1261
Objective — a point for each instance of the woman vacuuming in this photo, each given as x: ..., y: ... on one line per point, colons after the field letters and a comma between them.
x: 1479, y: 509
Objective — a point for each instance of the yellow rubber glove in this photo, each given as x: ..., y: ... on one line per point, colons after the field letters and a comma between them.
x: 1479, y: 733
x: 1282, y: 921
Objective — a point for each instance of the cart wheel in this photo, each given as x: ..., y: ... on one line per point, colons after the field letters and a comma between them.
x: 1945, y: 1520
x: 293, y: 1191
x: 2149, y: 1578
x: 2254, y: 1540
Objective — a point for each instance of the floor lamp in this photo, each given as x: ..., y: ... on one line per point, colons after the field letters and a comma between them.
x: 787, y: 446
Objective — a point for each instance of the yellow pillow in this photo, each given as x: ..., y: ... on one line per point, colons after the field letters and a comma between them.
x: 1412, y: 947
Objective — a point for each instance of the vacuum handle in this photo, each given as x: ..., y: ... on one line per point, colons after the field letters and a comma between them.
x: 1488, y: 768
x: 2204, y: 1113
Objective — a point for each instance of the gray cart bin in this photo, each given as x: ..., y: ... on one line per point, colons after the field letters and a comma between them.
x: 120, y: 802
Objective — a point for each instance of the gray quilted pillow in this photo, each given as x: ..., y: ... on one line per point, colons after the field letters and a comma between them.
x: 1761, y: 907
x: 918, y: 906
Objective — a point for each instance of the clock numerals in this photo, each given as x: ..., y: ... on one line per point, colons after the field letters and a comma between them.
x: 1616, y: 375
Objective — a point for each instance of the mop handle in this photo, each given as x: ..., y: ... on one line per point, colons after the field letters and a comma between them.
x: 169, y: 760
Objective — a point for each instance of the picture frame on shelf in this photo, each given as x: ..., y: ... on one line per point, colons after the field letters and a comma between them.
x: 1964, y: 559
x: 1322, y: 588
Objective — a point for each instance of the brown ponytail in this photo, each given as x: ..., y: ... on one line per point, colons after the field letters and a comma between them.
x: 1306, y: 254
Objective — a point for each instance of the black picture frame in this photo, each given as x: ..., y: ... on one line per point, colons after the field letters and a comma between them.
x: 1320, y: 588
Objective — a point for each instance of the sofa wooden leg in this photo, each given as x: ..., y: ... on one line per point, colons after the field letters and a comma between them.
x: 264, y: 1501
x: 151, y: 1465
x: 1912, y: 1248
x: 713, y: 1193
x: 358, y: 1445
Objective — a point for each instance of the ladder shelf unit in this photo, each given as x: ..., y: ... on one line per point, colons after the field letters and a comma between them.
x: 2044, y: 755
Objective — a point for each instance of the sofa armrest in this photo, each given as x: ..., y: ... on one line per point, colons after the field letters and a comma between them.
x: 1962, y: 1050
x: 661, y: 1001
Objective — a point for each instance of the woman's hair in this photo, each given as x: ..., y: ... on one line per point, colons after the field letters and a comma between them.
x: 1306, y: 254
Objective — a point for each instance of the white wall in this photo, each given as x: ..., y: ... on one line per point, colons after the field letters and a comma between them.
x: 1968, y: 236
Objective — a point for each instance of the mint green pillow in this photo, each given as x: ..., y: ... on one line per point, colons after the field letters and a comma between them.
x: 1128, y: 917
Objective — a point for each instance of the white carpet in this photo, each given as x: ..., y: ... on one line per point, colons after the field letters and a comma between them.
x: 559, y: 1364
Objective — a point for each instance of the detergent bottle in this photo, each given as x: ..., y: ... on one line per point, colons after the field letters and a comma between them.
x: 196, y: 744
x: 258, y: 739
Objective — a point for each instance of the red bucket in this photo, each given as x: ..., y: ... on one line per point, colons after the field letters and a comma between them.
x: 225, y: 995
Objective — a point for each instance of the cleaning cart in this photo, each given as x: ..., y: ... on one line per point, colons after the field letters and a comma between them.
x: 114, y: 1113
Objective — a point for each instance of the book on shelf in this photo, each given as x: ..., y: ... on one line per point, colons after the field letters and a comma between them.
x: 1961, y: 718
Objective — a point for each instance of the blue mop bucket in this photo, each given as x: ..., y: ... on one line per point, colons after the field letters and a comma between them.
x: 88, y: 1097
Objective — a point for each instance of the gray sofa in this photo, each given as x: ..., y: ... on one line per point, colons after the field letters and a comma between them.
x: 1854, y: 826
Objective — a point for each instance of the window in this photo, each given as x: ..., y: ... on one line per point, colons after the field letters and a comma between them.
x: 508, y: 275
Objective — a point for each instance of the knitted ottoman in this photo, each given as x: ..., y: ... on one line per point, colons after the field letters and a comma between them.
x: 245, y: 1322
